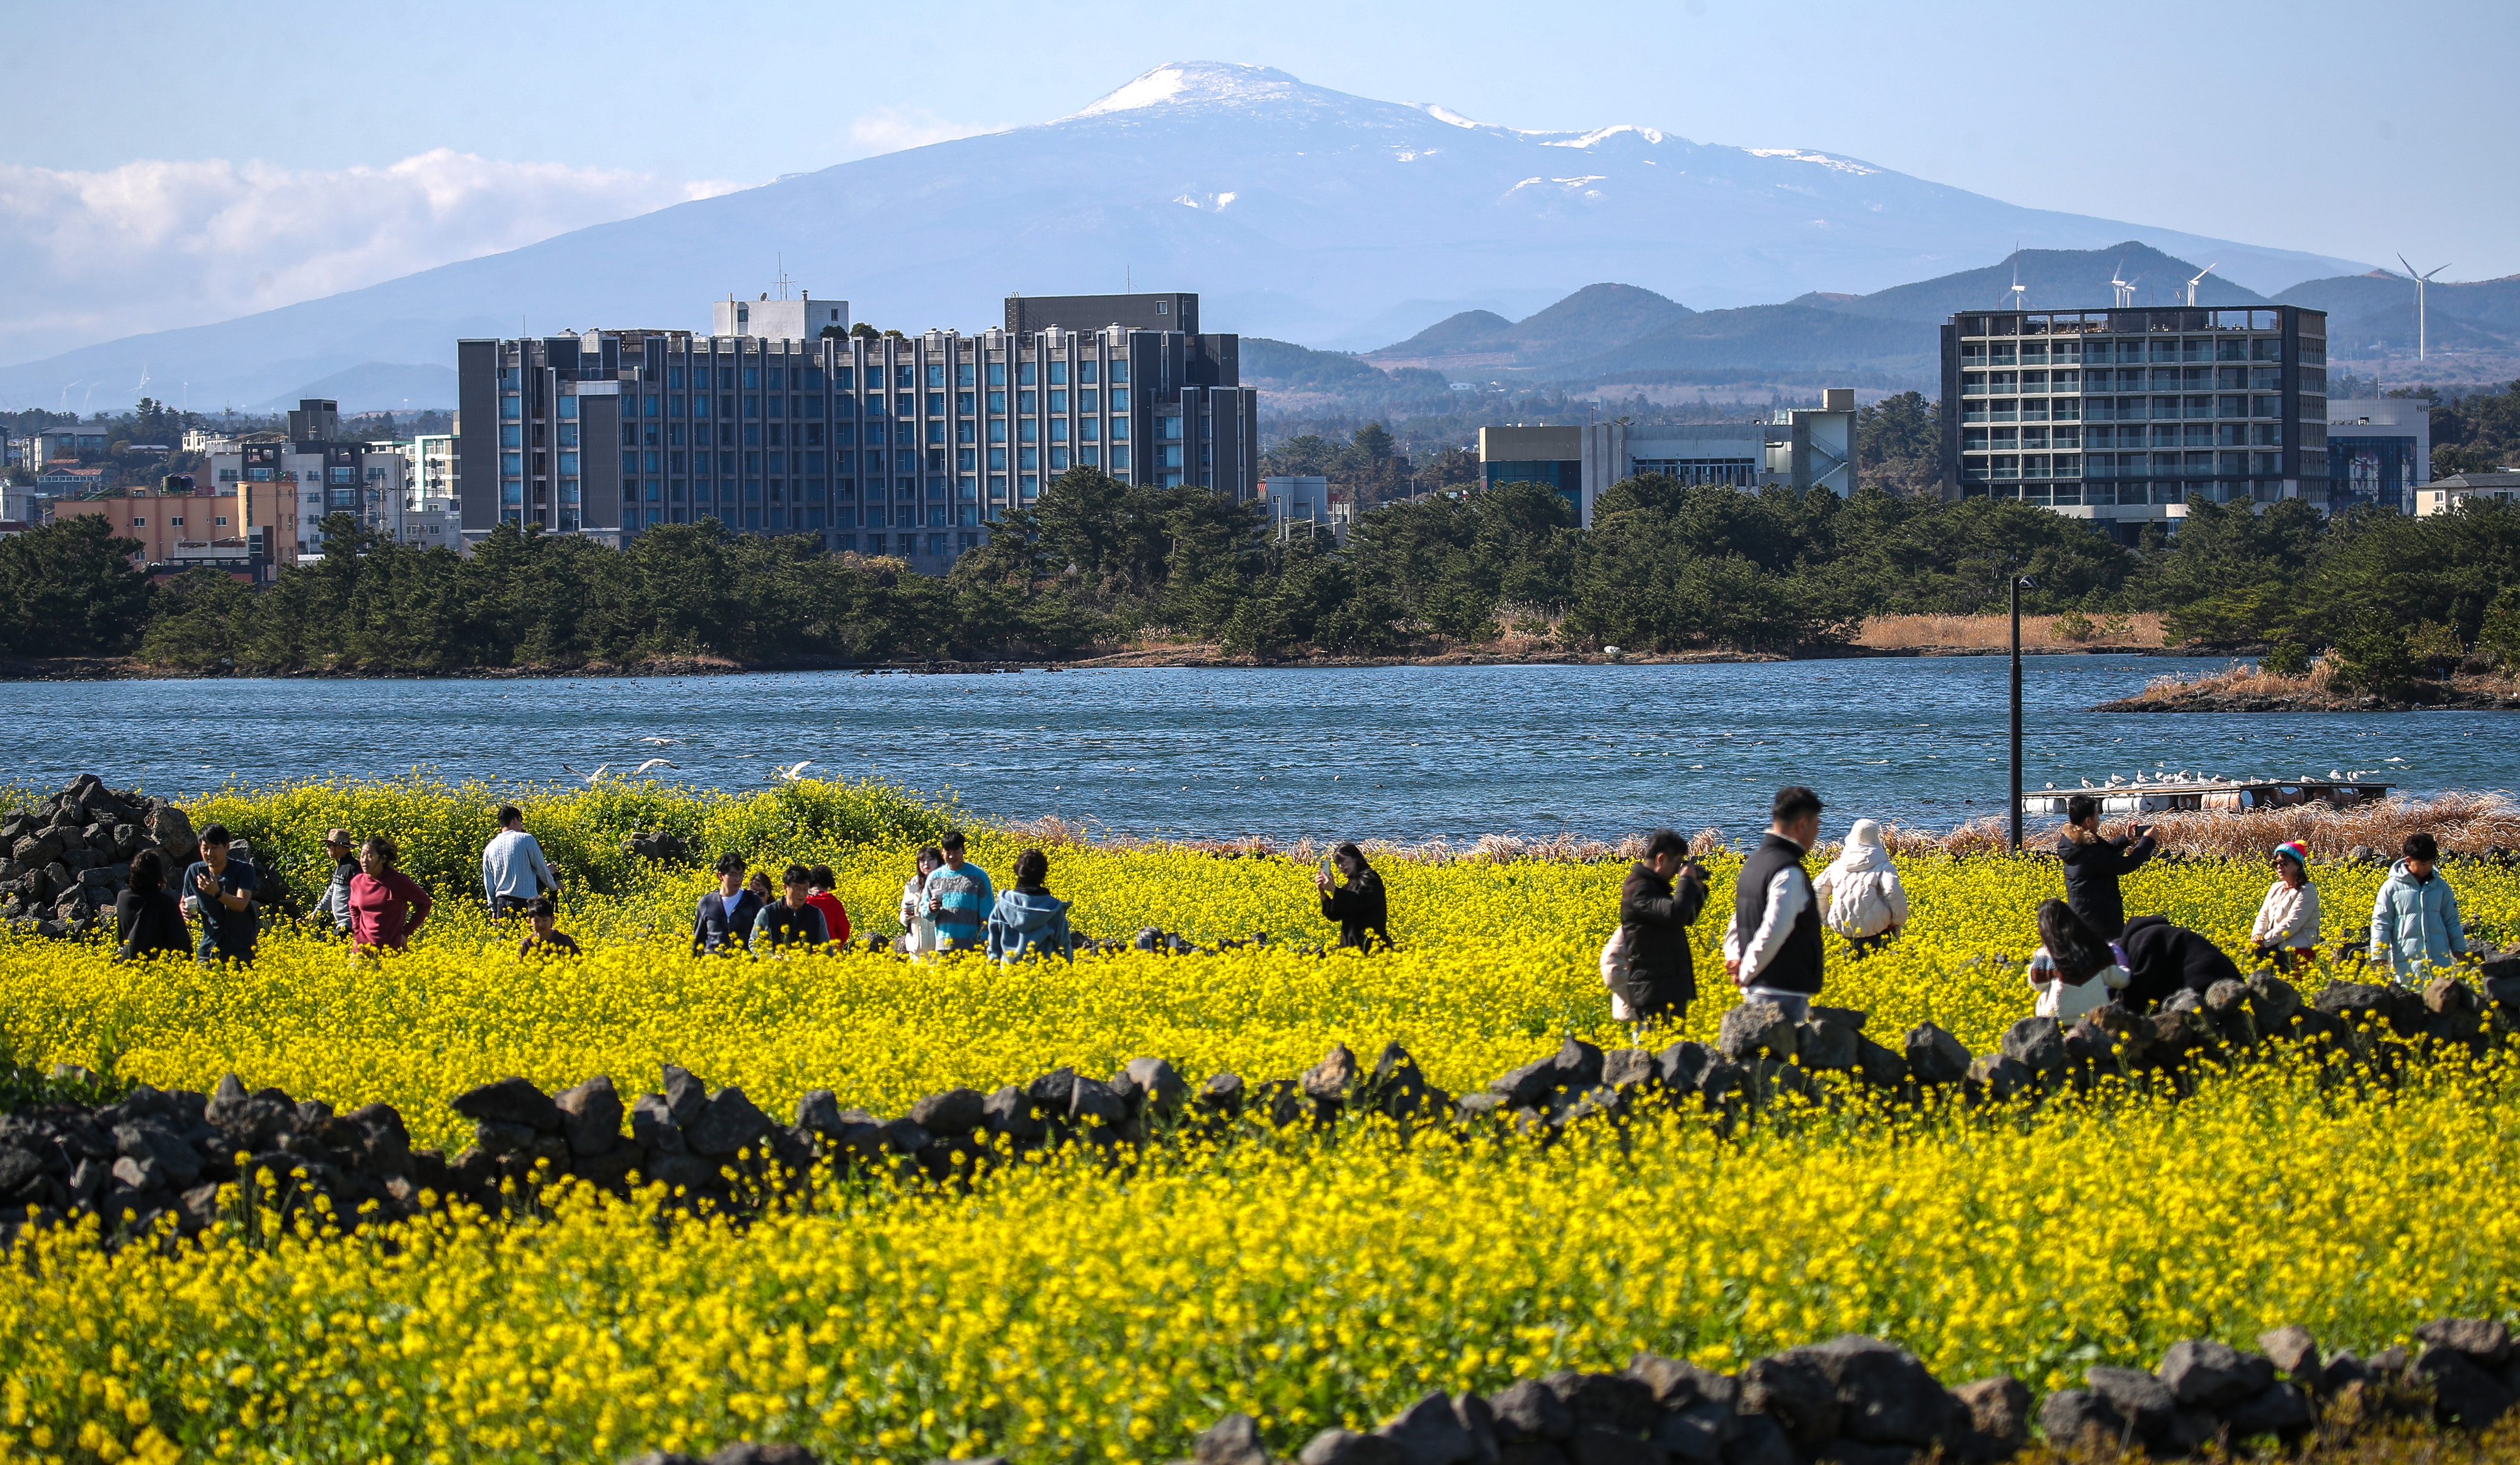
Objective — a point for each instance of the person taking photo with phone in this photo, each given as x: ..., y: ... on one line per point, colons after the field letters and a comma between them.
x: 2093, y: 864
x: 1359, y: 905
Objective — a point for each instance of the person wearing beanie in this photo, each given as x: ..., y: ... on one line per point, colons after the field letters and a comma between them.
x: 2286, y: 930
x: 2414, y: 921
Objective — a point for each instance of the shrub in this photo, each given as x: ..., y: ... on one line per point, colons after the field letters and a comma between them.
x: 2499, y: 638
x: 2435, y: 646
x: 2285, y: 659
x: 2372, y: 656
x: 2073, y: 626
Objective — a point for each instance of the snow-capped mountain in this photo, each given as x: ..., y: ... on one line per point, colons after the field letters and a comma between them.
x: 1296, y: 211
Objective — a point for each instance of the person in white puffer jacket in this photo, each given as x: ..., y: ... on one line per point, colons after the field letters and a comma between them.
x: 1860, y: 894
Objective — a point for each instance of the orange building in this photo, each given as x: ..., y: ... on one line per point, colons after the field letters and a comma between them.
x: 178, y: 530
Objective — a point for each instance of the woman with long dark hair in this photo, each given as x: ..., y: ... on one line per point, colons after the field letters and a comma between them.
x: 147, y: 920
x: 2074, y: 970
x: 386, y: 907
x: 1358, y: 905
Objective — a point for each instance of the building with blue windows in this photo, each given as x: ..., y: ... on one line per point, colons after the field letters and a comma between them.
x: 2379, y: 452
x: 907, y: 446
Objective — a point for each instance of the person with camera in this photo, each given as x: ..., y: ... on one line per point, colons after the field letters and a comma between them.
x: 2093, y: 865
x: 1650, y: 973
x: 220, y: 890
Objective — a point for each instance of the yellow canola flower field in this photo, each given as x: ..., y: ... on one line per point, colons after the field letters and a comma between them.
x: 1066, y: 1313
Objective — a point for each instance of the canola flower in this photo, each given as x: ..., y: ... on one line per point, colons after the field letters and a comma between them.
x: 1063, y: 1312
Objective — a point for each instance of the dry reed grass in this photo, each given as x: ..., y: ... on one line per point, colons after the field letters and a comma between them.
x: 1993, y: 633
x: 2239, y: 679
x: 2463, y: 822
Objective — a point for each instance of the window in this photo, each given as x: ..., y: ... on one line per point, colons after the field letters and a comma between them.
x: 1089, y: 430
x: 1119, y: 428
x: 511, y: 406
x: 1087, y: 372
x: 997, y: 402
x: 963, y: 375
x: 1059, y: 401
x: 140, y: 524
x: 175, y: 522
x: 222, y: 522
x: 1119, y: 372
x: 1024, y: 374
x: 1057, y: 378
x: 569, y: 407
x: 1119, y: 394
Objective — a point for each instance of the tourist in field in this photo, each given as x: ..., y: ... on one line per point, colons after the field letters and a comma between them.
x: 543, y: 938
x: 2162, y: 960
x: 221, y: 891
x: 2093, y: 864
x: 726, y: 914
x: 2286, y: 930
x: 759, y: 886
x: 1654, y: 979
x: 386, y: 907
x: 1028, y: 919
x: 790, y: 919
x: 918, y: 931
x: 821, y: 880
x: 1357, y: 902
x: 958, y: 898
x: 1772, y: 945
x: 2074, y: 970
x: 2414, y: 921
x: 334, y: 903
x: 512, y: 868
x: 1860, y: 893
x: 147, y: 920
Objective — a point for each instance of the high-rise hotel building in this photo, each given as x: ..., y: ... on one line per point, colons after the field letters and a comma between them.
x: 895, y: 446
x: 2126, y: 417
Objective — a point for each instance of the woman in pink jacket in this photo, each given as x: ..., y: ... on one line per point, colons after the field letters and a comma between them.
x: 386, y: 905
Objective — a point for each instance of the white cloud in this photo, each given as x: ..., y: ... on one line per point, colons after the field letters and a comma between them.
x: 154, y: 245
x: 890, y: 129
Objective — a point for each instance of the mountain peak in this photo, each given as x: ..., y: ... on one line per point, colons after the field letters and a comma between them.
x: 1194, y: 82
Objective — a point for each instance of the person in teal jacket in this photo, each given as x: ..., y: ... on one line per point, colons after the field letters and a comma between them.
x: 2415, y: 922
x: 1030, y: 920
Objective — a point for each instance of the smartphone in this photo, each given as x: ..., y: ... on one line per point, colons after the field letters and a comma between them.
x: 1325, y: 872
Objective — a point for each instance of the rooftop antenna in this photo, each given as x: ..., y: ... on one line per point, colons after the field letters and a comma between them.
x: 783, y: 281
x: 2124, y: 287
x: 2420, y: 281
x: 2200, y: 275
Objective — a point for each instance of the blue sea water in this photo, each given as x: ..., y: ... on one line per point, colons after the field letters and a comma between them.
x: 1405, y: 753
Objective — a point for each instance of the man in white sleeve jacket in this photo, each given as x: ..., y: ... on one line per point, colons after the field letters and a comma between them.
x: 1772, y: 946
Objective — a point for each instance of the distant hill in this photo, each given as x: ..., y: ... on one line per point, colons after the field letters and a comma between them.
x: 1774, y: 337
x: 372, y: 387
x: 2494, y: 304
x: 2052, y: 279
x: 1583, y: 324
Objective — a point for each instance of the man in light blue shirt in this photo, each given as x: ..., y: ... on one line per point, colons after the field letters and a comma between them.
x: 512, y: 868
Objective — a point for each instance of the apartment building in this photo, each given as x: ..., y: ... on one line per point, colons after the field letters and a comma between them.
x: 323, y: 474
x: 898, y: 445
x: 2126, y: 417
x: 186, y: 522
x: 1801, y: 449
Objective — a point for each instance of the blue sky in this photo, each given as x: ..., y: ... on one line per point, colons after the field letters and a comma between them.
x: 447, y: 130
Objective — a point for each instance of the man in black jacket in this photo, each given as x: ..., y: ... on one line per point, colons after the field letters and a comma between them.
x: 2093, y: 864
x: 1657, y: 978
x: 2162, y: 959
x: 727, y: 914
x: 1773, y: 948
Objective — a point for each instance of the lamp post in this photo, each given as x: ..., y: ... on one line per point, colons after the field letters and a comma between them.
x: 2015, y: 584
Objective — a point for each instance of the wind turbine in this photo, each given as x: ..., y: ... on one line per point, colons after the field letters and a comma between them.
x: 2200, y: 276
x: 2420, y: 282
x: 2018, y: 289
x: 2124, y: 287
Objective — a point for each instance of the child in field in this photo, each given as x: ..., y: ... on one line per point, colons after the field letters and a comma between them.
x: 545, y: 939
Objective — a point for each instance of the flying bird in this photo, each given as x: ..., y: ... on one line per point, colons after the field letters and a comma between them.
x: 653, y: 763
x: 595, y: 777
x: 660, y: 742
x: 793, y: 771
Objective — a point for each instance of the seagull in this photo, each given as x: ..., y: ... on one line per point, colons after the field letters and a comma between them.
x: 660, y: 742
x: 653, y: 763
x: 792, y: 772
x: 595, y: 777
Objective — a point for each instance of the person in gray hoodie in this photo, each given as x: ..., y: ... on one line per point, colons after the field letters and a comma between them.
x: 2414, y: 921
x: 1028, y: 919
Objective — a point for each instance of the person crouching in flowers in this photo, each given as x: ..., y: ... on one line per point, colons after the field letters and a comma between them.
x: 2074, y: 970
x: 1028, y: 919
x: 2286, y: 930
x: 386, y: 907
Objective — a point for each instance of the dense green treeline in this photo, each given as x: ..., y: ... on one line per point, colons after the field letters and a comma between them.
x: 1664, y: 567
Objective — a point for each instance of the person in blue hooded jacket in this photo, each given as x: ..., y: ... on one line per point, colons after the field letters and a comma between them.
x: 2414, y: 921
x: 1028, y: 919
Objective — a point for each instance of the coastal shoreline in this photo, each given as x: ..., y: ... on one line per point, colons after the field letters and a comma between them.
x: 2256, y: 690
x: 1194, y: 658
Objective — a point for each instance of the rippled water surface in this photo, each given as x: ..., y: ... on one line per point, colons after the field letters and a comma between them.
x: 1398, y: 752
